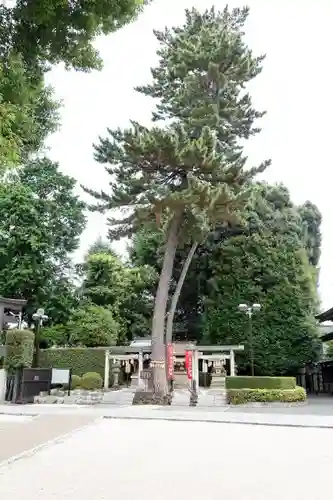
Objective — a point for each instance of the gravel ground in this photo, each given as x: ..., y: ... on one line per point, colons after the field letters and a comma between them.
x: 127, y: 459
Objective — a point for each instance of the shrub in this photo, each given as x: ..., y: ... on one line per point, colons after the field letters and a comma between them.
x: 260, y: 382
x: 93, y: 326
x: 243, y: 396
x: 76, y: 381
x: 53, y: 335
x: 19, y: 349
x: 91, y: 381
x: 80, y: 359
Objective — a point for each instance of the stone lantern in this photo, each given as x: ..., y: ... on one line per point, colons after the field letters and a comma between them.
x: 115, y: 370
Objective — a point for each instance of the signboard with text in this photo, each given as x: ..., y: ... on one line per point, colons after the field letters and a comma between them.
x: 188, y: 364
x: 170, y: 361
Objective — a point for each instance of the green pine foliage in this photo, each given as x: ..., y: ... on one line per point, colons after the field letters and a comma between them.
x: 188, y: 174
x: 195, y: 165
x: 204, y: 68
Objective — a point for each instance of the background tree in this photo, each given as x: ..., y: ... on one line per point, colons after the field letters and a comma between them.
x: 108, y: 282
x: 90, y: 326
x: 53, y: 31
x: 42, y: 220
x: 276, y: 274
x: 195, y: 165
x: 27, y: 113
x: 34, y: 35
x: 268, y: 261
x: 93, y: 326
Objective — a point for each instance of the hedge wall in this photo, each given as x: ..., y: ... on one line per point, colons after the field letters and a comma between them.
x: 81, y: 360
x: 260, y: 382
x: 244, y: 396
x: 19, y: 349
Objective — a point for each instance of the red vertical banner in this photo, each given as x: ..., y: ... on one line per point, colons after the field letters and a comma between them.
x: 170, y: 361
x: 188, y: 364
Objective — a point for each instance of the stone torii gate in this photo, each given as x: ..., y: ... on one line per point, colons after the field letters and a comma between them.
x: 216, y: 354
x: 15, y: 305
x: 127, y: 354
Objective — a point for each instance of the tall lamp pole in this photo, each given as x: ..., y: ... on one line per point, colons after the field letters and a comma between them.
x: 39, y: 317
x: 249, y: 310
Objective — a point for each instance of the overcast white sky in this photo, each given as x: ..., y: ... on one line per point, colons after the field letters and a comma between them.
x: 294, y: 89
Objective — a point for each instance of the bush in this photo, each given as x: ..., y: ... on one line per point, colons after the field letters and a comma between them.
x: 80, y: 359
x: 243, y: 396
x: 260, y: 382
x: 93, y: 326
x: 91, y: 381
x: 76, y: 381
x: 53, y: 335
x: 19, y: 349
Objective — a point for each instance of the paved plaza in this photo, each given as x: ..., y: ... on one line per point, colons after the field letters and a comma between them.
x: 149, y: 460
x: 19, y: 434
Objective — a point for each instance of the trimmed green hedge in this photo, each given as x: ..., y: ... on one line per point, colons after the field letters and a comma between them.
x: 91, y: 381
x: 19, y: 349
x: 243, y: 396
x: 80, y: 360
x: 260, y: 382
x: 76, y: 381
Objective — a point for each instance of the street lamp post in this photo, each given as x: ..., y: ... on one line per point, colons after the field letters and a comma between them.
x: 249, y: 310
x: 39, y: 317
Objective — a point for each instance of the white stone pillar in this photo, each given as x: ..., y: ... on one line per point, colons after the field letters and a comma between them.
x: 232, y: 364
x: 106, y: 370
x: 196, y: 368
x: 140, y: 368
x: 2, y: 385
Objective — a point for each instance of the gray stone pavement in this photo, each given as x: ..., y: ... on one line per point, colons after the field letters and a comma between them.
x: 175, y: 460
x: 21, y: 436
x: 296, y: 416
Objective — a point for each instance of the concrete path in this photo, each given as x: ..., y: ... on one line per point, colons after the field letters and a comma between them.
x: 176, y: 460
x: 216, y: 415
x: 24, y: 435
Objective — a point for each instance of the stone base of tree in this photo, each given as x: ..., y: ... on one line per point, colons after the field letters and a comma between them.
x: 194, y: 399
x: 151, y: 398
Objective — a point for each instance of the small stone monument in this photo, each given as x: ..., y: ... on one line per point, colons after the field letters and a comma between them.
x: 115, y: 370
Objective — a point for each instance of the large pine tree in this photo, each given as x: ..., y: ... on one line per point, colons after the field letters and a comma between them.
x: 192, y: 168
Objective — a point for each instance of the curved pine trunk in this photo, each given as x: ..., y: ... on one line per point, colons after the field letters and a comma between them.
x: 160, y: 306
x: 176, y: 295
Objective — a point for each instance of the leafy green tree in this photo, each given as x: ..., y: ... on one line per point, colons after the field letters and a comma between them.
x: 53, y: 31
x: 42, y: 220
x: 190, y: 173
x: 35, y: 34
x: 269, y: 261
x: 275, y: 273
x: 93, y: 326
x: 311, y: 218
x: 55, y: 335
x: 27, y: 113
x: 124, y: 289
x: 90, y: 326
x: 62, y: 297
